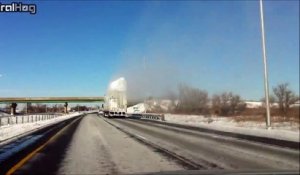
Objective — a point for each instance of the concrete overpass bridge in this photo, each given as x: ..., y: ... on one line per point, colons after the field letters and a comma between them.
x: 14, y: 100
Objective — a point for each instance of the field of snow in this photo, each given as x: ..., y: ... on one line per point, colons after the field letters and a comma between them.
x: 283, y: 130
x: 3, y: 114
x: 9, y: 131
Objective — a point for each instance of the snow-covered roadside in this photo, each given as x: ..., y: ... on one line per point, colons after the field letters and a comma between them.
x: 283, y: 131
x: 9, y: 131
x: 3, y: 114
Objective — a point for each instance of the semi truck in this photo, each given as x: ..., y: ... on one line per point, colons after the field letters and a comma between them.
x: 115, y: 102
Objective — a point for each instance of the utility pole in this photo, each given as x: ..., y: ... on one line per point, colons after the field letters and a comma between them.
x: 266, y: 81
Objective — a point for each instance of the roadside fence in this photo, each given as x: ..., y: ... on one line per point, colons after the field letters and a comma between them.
x: 28, y: 118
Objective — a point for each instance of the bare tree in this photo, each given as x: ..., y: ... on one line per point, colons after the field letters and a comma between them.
x: 227, y: 103
x: 216, y: 104
x: 173, y: 97
x: 38, y: 108
x: 192, y: 99
x: 285, y: 97
x: 234, y: 100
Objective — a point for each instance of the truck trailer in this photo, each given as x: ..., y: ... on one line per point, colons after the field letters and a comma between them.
x: 115, y: 102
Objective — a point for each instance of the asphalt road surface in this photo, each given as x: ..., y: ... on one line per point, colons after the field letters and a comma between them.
x: 97, y: 145
x: 92, y: 146
x: 214, y: 150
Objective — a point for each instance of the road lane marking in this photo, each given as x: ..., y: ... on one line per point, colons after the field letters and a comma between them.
x: 30, y: 155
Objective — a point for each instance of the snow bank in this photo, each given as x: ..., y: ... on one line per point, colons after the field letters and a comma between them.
x: 253, y: 104
x: 9, y: 131
x: 284, y: 130
x: 3, y: 114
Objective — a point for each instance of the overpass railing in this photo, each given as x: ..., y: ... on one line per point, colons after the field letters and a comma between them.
x: 28, y: 118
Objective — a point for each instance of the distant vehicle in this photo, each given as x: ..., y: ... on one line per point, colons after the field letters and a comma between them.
x: 100, y: 113
x: 115, y: 102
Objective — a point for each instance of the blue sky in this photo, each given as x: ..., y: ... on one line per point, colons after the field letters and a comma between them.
x: 76, y: 48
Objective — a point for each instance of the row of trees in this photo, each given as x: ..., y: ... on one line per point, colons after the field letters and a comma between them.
x: 194, y: 100
x: 37, y: 108
x: 42, y: 108
x: 227, y: 103
x: 197, y: 101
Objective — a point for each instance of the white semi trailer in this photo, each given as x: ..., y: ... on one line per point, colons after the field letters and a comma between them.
x: 115, y: 104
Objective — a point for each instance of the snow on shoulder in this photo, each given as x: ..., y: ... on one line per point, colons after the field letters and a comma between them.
x: 15, y: 130
x: 282, y: 131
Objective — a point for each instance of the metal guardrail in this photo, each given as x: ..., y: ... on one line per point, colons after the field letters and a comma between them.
x: 20, y: 119
x: 148, y: 116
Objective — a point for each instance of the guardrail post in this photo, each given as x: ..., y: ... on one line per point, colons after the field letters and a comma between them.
x: 22, y: 118
x: 163, y: 117
x: 16, y: 119
x: 0, y: 120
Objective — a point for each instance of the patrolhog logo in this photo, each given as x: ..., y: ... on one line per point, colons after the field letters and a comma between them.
x: 18, y: 7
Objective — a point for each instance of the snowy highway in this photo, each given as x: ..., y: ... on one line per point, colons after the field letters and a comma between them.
x: 211, y: 150
x: 96, y: 145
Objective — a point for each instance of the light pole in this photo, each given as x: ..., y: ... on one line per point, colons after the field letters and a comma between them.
x: 265, y: 65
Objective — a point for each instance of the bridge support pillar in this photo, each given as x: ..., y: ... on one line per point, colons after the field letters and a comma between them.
x: 66, y: 108
x: 13, y: 107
